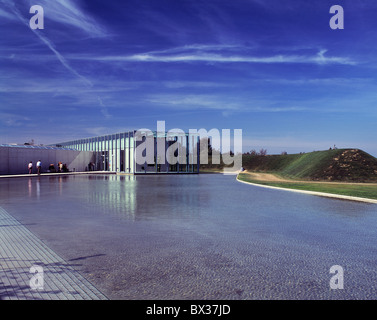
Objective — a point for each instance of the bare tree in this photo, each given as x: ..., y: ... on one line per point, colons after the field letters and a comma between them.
x: 206, y: 142
x: 253, y: 152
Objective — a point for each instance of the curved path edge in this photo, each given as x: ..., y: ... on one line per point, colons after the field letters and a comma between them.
x: 315, y: 193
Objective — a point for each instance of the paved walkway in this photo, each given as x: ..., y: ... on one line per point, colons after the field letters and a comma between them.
x: 20, y: 250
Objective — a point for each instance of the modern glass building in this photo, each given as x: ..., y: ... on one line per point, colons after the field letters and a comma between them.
x: 141, y: 152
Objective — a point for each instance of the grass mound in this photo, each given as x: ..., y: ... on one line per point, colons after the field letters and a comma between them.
x: 352, y: 165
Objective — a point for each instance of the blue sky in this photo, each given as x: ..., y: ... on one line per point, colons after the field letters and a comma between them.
x: 274, y: 69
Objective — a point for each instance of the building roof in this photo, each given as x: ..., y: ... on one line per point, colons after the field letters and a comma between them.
x: 34, y: 147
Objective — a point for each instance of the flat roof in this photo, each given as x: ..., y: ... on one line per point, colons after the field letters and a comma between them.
x: 34, y: 147
x: 158, y: 134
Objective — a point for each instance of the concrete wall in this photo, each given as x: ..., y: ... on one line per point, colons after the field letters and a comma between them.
x: 14, y: 160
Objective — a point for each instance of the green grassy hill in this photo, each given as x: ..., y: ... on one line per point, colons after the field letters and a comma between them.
x: 331, y: 165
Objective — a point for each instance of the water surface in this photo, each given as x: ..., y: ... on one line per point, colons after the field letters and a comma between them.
x: 201, y: 236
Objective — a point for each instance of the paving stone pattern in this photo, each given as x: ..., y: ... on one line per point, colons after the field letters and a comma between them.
x: 20, y: 249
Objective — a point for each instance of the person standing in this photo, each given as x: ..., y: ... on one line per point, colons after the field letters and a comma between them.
x: 39, y: 166
x: 30, y: 167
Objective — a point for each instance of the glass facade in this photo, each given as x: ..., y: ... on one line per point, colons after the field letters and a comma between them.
x: 126, y: 152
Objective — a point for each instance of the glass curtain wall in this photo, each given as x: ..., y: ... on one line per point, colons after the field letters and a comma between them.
x: 116, y: 153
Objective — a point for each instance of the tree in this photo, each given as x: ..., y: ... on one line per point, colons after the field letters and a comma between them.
x: 262, y: 152
x: 253, y: 152
x: 206, y: 142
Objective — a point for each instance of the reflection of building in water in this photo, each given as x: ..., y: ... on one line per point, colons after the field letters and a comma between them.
x: 38, y: 188
x: 30, y: 187
x: 34, y: 191
x: 139, y: 197
x: 157, y: 195
x: 116, y: 197
x: 110, y: 194
x: 141, y: 152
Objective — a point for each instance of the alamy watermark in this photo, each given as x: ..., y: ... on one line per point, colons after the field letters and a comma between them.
x: 337, y: 20
x: 37, y: 20
x: 37, y: 280
x: 175, y: 146
x: 337, y: 280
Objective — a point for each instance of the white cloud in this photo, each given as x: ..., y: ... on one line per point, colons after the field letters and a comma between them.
x: 13, y: 120
x: 67, y: 4
x: 210, y: 54
x: 102, y: 131
x: 218, y: 102
x: 7, y: 15
x: 192, y: 102
x: 67, y: 12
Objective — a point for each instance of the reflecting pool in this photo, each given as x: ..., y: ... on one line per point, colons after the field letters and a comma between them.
x: 201, y: 236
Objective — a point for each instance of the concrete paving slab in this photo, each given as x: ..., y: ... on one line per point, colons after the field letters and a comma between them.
x: 20, y: 251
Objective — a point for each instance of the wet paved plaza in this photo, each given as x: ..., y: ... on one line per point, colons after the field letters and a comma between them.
x: 203, y: 236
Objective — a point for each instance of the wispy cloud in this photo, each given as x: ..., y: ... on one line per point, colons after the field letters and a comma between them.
x: 68, y: 12
x: 210, y: 54
x: 62, y: 60
x: 191, y: 102
x: 219, y: 103
x: 7, y: 15
x: 46, y: 41
x: 65, y: 12
x: 13, y: 120
x: 104, y: 109
x: 101, y: 130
